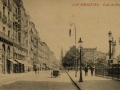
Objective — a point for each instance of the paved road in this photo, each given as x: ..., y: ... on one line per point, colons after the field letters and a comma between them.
x: 41, y: 81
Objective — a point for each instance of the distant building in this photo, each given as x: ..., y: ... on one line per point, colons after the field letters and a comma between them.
x: 89, y: 55
x: 101, y: 57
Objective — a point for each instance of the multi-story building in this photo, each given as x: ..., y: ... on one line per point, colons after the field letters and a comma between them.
x: 33, y: 44
x: 20, y: 46
x: 40, y: 54
x: 20, y: 49
x: 89, y: 55
x: 6, y: 36
x: 52, y: 60
x: 46, y: 55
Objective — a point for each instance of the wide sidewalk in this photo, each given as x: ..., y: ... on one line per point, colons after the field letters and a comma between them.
x: 32, y: 76
x: 9, y: 78
x: 93, y: 82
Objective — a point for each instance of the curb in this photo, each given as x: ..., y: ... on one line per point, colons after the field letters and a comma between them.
x: 73, y: 81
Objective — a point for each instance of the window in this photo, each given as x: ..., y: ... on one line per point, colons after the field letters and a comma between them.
x: 8, y: 15
x: 4, y: 29
x: 16, y: 10
x: 26, y: 22
x: 19, y: 35
x: 8, y: 33
x: 3, y: 10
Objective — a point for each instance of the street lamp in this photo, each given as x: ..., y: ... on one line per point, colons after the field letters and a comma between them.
x: 110, y: 43
x: 71, y: 23
x: 80, y: 79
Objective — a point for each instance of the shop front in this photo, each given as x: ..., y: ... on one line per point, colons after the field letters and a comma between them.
x: 11, y: 65
x: 20, y: 67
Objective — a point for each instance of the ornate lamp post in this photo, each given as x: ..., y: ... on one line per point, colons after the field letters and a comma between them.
x: 71, y: 23
x: 110, y: 42
x: 80, y: 79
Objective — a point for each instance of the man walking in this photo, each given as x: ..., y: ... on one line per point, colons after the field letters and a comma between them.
x: 92, y: 69
x: 38, y: 70
x: 86, y: 70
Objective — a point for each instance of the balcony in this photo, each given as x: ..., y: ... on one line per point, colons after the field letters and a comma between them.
x: 4, y: 36
x: 4, y: 19
x: 14, y: 14
x: 9, y: 23
x: 4, y: 2
x: 14, y: 27
x: 9, y: 7
x: 16, y: 42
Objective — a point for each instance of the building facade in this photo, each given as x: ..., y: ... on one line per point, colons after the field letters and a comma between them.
x: 89, y: 55
x: 21, y: 49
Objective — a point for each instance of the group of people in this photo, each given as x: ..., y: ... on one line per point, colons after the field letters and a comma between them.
x: 86, y: 70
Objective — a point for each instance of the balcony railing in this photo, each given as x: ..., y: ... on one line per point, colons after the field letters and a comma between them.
x: 19, y: 16
x: 4, y: 2
x: 9, y: 7
x: 4, y: 19
x: 3, y: 35
x: 14, y: 14
x: 14, y: 27
x: 9, y: 23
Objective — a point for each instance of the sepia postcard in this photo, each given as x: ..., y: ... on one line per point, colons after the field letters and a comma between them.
x: 59, y: 44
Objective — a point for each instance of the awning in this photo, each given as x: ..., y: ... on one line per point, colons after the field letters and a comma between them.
x: 13, y: 61
x: 24, y: 62
x: 20, y: 61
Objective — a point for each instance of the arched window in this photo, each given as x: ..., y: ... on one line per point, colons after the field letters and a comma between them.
x: 3, y: 52
x: 8, y: 52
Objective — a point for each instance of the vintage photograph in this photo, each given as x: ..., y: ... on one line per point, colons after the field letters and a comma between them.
x: 59, y: 44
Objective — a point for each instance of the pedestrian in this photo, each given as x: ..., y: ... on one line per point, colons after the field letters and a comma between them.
x: 35, y: 70
x: 92, y: 69
x: 51, y: 74
x: 38, y: 70
x: 28, y: 70
x: 86, y: 70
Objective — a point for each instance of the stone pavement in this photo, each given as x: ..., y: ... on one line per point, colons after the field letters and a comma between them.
x: 41, y: 81
x: 93, y: 82
x: 10, y: 78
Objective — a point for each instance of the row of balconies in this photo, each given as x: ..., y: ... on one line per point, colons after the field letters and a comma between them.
x: 3, y: 35
x: 4, y: 2
x: 4, y: 19
x: 9, y: 23
x: 9, y: 7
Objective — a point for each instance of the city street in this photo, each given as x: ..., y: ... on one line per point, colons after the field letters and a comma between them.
x: 38, y: 37
x: 35, y: 81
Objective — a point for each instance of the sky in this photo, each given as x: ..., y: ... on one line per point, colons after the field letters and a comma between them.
x: 92, y: 23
